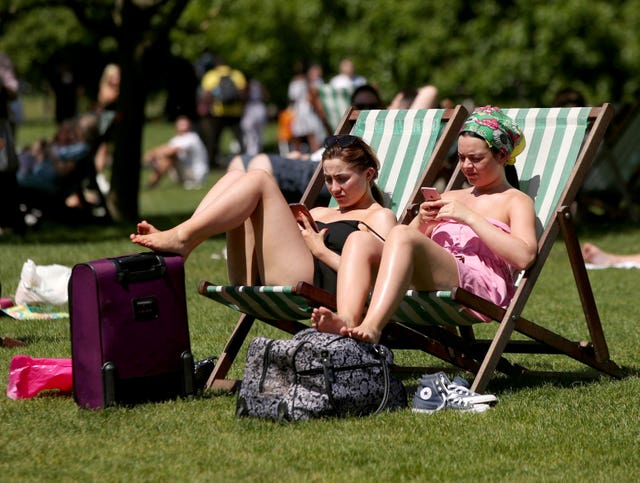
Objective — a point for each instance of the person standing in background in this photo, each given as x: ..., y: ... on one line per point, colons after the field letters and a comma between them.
x: 108, y: 93
x: 307, y: 129
x: 223, y: 92
x: 347, y: 78
x: 10, y: 216
x: 254, y: 119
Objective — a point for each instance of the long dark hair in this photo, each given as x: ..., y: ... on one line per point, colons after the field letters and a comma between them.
x: 355, y: 152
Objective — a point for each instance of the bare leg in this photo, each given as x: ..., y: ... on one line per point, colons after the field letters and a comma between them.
x: 241, y: 261
x: 220, y: 187
x: 358, y: 265
x: 236, y: 164
x: 597, y: 256
x: 162, y: 159
x: 253, y: 196
x: 261, y: 161
x: 408, y: 258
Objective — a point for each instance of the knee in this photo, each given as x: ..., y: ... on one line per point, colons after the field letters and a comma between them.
x: 262, y: 162
x: 262, y: 178
x: 402, y: 235
x: 362, y: 245
x: 236, y: 164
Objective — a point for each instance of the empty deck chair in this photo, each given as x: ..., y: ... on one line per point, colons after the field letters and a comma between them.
x: 411, y: 145
x: 331, y: 104
x: 610, y: 184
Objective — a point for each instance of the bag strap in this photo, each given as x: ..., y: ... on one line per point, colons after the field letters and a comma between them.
x: 329, y: 379
x: 380, y: 351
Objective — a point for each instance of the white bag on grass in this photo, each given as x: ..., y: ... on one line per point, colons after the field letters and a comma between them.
x: 43, y: 284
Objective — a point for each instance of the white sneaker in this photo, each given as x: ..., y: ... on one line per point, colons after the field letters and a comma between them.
x: 460, y: 388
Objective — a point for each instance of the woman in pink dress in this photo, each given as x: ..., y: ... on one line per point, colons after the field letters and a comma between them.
x: 476, y: 238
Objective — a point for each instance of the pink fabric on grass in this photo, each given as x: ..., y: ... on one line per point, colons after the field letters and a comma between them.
x: 29, y: 376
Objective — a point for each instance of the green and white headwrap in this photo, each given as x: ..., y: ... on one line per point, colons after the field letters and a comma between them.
x: 497, y: 129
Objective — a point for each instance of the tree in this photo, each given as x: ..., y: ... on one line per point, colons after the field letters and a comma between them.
x: 505, y: 52
x: 140, y: 31
x: 515, y: 52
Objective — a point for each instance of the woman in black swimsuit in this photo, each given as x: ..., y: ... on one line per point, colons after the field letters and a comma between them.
x: 264, y: 241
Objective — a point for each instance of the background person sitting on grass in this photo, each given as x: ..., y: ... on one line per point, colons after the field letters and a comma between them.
x: 185, y: 154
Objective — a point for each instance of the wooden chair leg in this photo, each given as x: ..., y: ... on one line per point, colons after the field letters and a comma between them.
x: 238, y: 336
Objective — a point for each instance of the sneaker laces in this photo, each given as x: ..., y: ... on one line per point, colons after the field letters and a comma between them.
x: 457, y: 390
x: 453, y: 401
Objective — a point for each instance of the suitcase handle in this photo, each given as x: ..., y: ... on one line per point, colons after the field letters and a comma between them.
x: 139, y: 268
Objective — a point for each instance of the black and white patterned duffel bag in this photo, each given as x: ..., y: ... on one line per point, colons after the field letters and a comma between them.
x: 316, y: 374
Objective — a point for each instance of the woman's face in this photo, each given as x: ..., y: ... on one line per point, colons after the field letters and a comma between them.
x: 346, y: 183
x: 477, y: 161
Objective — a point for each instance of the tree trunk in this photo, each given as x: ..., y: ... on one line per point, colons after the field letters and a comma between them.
x: 125, y: 177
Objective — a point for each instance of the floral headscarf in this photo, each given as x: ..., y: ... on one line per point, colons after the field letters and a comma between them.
x: 497, y: 129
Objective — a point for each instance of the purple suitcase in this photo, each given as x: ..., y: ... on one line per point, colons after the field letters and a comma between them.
x: 129, y: 331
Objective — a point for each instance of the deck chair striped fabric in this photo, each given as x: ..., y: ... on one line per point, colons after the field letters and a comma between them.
x: 561, y: 144
x: 554, y: 137
x: 617, y: 166
x: 412, y: 146
x: 404, y: 141
x: 335, y: 103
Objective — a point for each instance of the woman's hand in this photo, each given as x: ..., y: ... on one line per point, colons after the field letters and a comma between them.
x: 313, y: 239
x: 429, y: 210
x: 451, y: 209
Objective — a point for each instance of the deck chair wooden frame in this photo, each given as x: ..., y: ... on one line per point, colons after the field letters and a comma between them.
x: 444, y: 309
x: 436, y: 323
x: 432, y: 153
x: 594, y: 353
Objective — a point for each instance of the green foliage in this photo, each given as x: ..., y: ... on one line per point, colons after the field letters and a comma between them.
x: 516, y: 52
x: 510, y: 52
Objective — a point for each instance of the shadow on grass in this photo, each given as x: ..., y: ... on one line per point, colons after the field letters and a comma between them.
x: 529, y: 380
x: 51, y: 232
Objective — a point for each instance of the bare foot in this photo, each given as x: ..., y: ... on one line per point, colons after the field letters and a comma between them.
x: 170, y: 241
x: 364, y: 333
x: 146, y: 228
x: 596, y: 256
x: 324, y: 320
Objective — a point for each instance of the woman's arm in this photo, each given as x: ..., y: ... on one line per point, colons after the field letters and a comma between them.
x: 381, y: 221
x: 518, y: 248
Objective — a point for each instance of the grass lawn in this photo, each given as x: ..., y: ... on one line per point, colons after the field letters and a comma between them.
x: 577, y: 427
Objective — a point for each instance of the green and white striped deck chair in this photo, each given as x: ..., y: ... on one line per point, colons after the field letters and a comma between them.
x: 561, y: 144
x: 334, y: 104
x: 609, y: 184
x: 412, y: 146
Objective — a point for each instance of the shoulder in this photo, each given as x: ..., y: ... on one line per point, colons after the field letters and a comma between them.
x: 457, y: 194
x: 520, y: 198
x: 320, y: 212
x: 381, y: 217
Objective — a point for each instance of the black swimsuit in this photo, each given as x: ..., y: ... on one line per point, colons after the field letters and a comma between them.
x: 323, y: 275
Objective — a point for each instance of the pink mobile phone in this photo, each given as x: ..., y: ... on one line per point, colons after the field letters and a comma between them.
x: 299, y: 210
x: 430, y: 194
